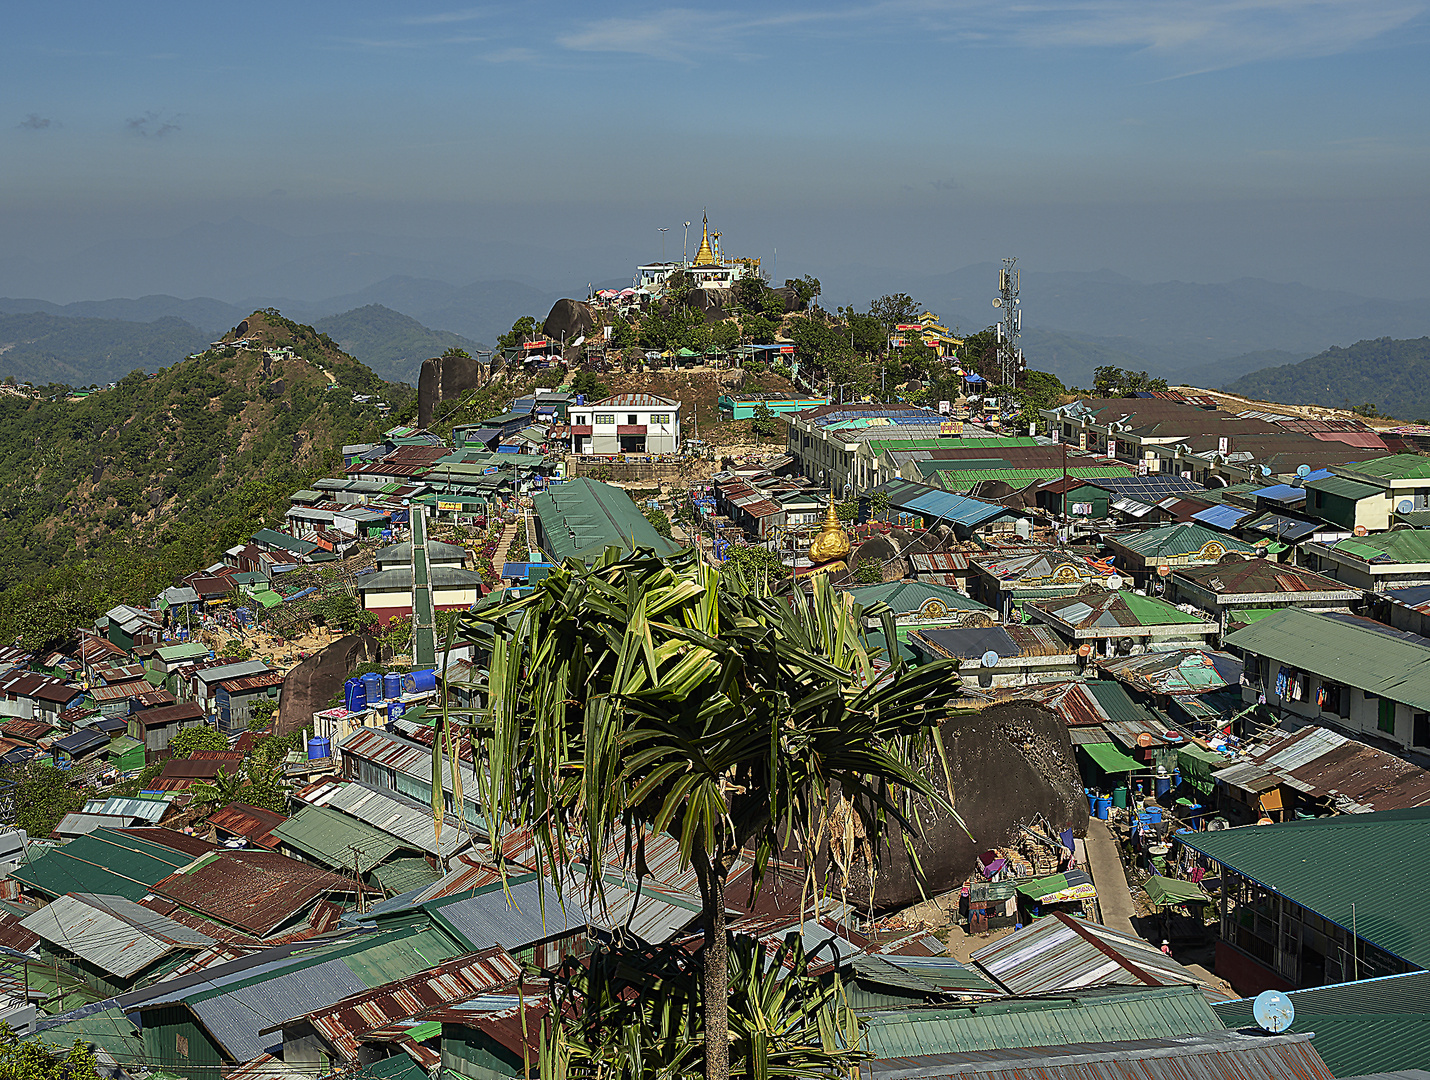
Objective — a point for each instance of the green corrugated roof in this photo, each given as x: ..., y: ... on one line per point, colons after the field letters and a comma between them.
x: 182, y: 651
x: 583, y: 517
x: 1250, y: 614
x: 1347, y: 489
x: 1174, y: 541
x: 1328, y: 864
x: 952, y: 479
x: 1371, y: 1026
x: 1110, y: 759
x: 404, y: 875
x: 1394, y: 467
x: 1088, y: 1016
x: 1153, y: 612
x: 329, y: 837
x: 1400, y: 546
x: 1354, y: 655
x: 104, y: 861
x: 1165, y: 890
x: 911, y: 597
x: 951, y: 442
x: 1116, y: 703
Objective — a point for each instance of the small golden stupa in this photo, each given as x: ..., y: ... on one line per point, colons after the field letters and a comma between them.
x: 706, y: 255
x: 831, y: 547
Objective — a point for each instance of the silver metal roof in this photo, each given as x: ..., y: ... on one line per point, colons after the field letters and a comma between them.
x: 144, y: 809
x: 406, y: 819
x: 114, y: 934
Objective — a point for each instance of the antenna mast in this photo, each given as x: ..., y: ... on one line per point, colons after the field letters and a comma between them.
x: 1010, y: 330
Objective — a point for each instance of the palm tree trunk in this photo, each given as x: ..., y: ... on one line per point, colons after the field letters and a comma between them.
x: 715, y: 974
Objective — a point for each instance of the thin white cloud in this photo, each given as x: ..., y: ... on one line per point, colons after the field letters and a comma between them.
x: 441, y: 18
x: 1185, y: 35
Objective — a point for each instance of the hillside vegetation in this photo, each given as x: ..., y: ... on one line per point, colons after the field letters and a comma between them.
x: 392, y: 344
x: 106, y: 499
x: 43, y: 349
x: 1393, y: 376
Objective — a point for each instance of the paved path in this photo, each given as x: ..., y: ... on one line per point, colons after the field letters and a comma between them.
x: 1105, y: 865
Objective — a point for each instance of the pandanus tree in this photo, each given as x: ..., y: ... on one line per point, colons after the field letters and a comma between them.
x: 643, y: 694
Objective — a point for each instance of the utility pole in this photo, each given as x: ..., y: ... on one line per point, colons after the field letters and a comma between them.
x: 662, y: 232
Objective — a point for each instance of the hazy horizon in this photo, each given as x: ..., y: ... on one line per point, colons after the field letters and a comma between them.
x: 1178, y: 141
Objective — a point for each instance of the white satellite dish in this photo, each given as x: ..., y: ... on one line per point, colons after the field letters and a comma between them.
x: 1273, y: 1011
x: 1266, y: 470
x: 997, y: 301
x: 578, y: 341
x: 990, y: 659
x: 1114, y: 582
x: 1303, y: 471
x: 1405, y: 506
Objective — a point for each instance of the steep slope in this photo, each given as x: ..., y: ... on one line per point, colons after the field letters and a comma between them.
x: 106, y: 499
x: 41, y: 349
x: 392, y: 344
x: 1392, y: 375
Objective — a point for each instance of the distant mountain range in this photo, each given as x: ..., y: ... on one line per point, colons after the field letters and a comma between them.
x: 42, y: 348
x: 1392, y: 375
x: 392, y: 344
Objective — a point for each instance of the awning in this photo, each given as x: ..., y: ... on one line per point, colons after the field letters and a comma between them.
x: 1196, y: 765
x: 1271, y: 800
x: 1165, y: 891
x: 1110, y: 759
x: 1074, y: 885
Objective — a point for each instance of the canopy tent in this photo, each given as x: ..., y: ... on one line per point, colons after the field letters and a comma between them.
x: 1058, y: 888
x: 1196, y: 766
x: 1168, y: 892
x: 1110, y: 759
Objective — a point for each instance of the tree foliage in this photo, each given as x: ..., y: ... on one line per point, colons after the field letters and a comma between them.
x: 1111, y: 381
x: 36, y: 1059
x: 523, y: 330
x: 764, y: 423
x: 43, y: 796
x: 199, y: 738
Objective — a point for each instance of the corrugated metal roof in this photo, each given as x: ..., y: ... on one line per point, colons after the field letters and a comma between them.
x: 389, y: 812
x: 1350, y: 654
x: 114, y: 934
x: 336, y: 840
x: 917, y: 598
x: 256, y: 891
x: 151, y: 810
x: 253, y: 823
x: 1369, y: 1026
x: 121, y: 865
x: 1323, y: 864
x: 1345, y: 488
x: 1219, y: 1055
x: 1091, y: 1015
x: 1064, y: 953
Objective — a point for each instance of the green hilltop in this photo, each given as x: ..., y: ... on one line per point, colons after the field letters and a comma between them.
x: 1393, y: 376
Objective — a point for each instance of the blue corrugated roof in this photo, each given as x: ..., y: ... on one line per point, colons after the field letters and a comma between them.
x: 1221, y: 517
x: 1281, y: 493
x: 948, y: 507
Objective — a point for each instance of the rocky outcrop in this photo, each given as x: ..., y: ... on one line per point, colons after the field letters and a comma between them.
x: 446, y: 378
x: 568, y: 320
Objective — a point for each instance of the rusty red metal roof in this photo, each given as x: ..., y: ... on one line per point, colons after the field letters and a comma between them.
x: 255, y: 891
x: 253, y: 682
x: 253, y: 823
x: 32, y: 730
x: 344, y: 1023
x: 184, y: 843
x: 170, y: 714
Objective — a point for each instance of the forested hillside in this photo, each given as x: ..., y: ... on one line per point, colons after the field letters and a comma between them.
x: 392, y: 344
x: 42, y: 349
x: 1393, y: 376
x: 104, y: 500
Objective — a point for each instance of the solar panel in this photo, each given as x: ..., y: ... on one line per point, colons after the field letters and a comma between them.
x: 1149, y: 489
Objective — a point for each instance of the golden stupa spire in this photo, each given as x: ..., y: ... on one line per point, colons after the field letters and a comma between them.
x: 705, y: 256
x: 831, y: 547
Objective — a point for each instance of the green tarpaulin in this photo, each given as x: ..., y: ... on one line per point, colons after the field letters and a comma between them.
x: 1164, y: 891
x: 1110, y: 759
x: 1196, y: 765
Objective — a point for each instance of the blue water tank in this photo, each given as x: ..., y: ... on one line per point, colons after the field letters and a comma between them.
x: 372, y: 687
x: 392, y: 685
x: 1164, y: 785
x: 416, y: 682
x: 319, y: 748
x: 1104, y: 807
x: 354, y: 697
x: 1091, y: 803
x: 395, y: 710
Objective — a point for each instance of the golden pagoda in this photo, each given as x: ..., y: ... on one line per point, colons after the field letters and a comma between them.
x: 706, y: 255
x: 831, y: 547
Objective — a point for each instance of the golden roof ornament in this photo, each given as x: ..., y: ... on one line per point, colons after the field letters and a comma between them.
x: 706, y: 255
x: 831, y: 546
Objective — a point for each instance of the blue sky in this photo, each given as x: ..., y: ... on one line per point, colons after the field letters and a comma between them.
x: 1193, y: 139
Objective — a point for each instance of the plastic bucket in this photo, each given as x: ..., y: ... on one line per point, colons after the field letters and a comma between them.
x: 319, y: 748
x: 1119, y: 797
x: 392, y: 685
x: 1104, y: 806
x: 416, y: 682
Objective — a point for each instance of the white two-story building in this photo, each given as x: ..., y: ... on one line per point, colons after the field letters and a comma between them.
x: 626, y: 424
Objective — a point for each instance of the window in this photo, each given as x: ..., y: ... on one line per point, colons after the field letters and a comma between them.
x: 1385, y: 719
x: 632, y: 418
x: 1420, y: 730
x: 605, y: 418
x: 660, y: 418
x: 578, y: 420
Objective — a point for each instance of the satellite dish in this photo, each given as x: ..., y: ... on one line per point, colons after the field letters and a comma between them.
x: 1360, y: 530
x: 997, y: 301
x: 578, y: 341
x: 1273, y: 1011
x: 1405, y: 506
x: 990, y: 659
x: 1303, y: 471
x: 1266, y: 470
x: 1114, y: 582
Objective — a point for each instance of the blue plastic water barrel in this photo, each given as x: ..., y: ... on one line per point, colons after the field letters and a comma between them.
x: 319, y: 748
x: 1164, y: 785
x: 354, y: 697
x: 1091, y: 803
x: 415, y: 682
x: 392, y: 685
x: 1153, y: 815
x: 1176, y: 778
x: 395, y: 709
x: 372, y: 687
x: 1104, y: 806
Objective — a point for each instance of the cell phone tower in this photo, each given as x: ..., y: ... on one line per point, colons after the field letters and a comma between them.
x: 1010, y: 329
